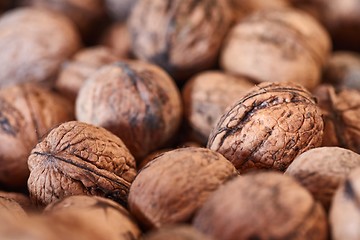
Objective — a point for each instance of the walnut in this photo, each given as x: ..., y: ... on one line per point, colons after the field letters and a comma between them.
x: 120, y: 10
x: 21, y: 199
x: 117, y: 38
x: 80, y: 159
x: 175, y: 184
x: 10, y: 210
x: 176, y: 232
x: 344, y: 213
x: 30, y: 49
x: 322, y: 170
x: 341, y: 114
x: 27, y: 112
x: 206, y: 97
x: 182, y: 36
x: 277, y: 45
x: 83, y: 64
x: 262, y: 206
x: 268, y: 127
x: 136, y: 101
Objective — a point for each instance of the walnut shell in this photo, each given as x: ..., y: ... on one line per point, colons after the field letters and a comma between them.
x: 117, y: 38
x: 344, y: 213
x: 277, y: 45
x: 176, y: 232
x: 83, y: 64
x: 262, y: 206
x: 10, y: 210
x: 80, y: 159
x: 21, y: 199
x: 175, y: 184
x: 323, y: 170
x: 136, y: 101
x: 206, y: 97
x: 28, y: 111
x: 181, y: 36
x: 120, y: 10
x: 268, y: 127
x: 30, y: 49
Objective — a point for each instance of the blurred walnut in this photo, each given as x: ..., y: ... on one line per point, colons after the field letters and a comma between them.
x: 33, y: 44
x: 83, y: 64
x: 341, y: 114
x: 10, y: 210
x: 27, y: 112
x: 172, y: 187
x: 206, y: 97
x: 182, y: 36
x: 117, y: 38
x: 176, y: 232
x: 21, y: 199
x: 323, y: 170
x: 136, y: 101
x: 80, y: 159
x: 268, y: 127
x: 120, y: 9
x: 277, y: 45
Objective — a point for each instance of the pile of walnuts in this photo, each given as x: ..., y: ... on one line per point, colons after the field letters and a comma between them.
x: 179, y: 119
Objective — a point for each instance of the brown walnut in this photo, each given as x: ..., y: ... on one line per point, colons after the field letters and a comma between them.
x: 80, y: 159
x: 176, y: 232
x: 181, y: 36
x: 262, y: 206
x: 323, y: 170
x: 268, y: 127
x: 117, y: 38
x: 30, y: 49
x: 10, y: 210
x: 136, y: 101
x: 172, y: 187
x: 120, y: 10
x: 22, y: 199
x: 28, y: 112
x: 277, y: 45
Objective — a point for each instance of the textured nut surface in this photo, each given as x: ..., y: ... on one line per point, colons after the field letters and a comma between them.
x: 176, y: 232
x: 80, y: 159
x: 206, y: 97
x: 28, y: 111
x: 182, y: 36
x: 262, y: 206
x: 136, y: 101
x: 323, y: 170
x: 268, y: 127
x: 175, y: 184
x: 27, y: 52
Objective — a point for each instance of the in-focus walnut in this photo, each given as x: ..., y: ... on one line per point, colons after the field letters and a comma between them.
x: 268, y: 127
x: 323, y: 170
x: 83, y: 64
x: 80, y: 159
x: 182, y: 36
x: 137, y: 101
x: 172, y: 187
x: 277, y: 45
x: 10, y: 210
x: 262, y: 206
x: 27, y: 112
x: 206, y: 97
x: 176, y: 232
x: 341, y: 114
x: 117, y: 38
x: 21, y: 199
x: 120, y: 10
x: 30, y: 49
x: 343, y: 70
x: 103, y: 216
x: 344, y: 212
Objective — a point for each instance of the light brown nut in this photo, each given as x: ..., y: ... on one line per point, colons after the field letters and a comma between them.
x: 172, y: 187
x: 28, y: 112
x: 262, y: 206
x: 181, y: 36
x: 80, y: 159
x: 117, y: 38
x: 268, y: 127
x: 22, y: 199
x: 176, y: 232
x: 136, y: 101
x: 10, y: 210
x: 323, y: 170
x: 30, y: 49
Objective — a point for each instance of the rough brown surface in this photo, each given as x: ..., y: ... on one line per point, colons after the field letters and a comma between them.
x: 277, y: 45
x: 182, y: 36
x: 262, y: 206
x: 80, y: 159
x: 206, y: 96
x: 172, y: 187
x: 268, y: 127
x: 136, y: 101
x: 344, y: 212
x: 323, y: 170
x: 176, y: 232
x: 27, y: 52
x: 28, y: 111
x: 120, y: 9
x: 117, y: 37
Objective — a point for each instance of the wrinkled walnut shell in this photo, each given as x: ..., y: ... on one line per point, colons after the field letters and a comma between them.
x: 262, y: 206
x: 80, y: 159
x: 268, y: 127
